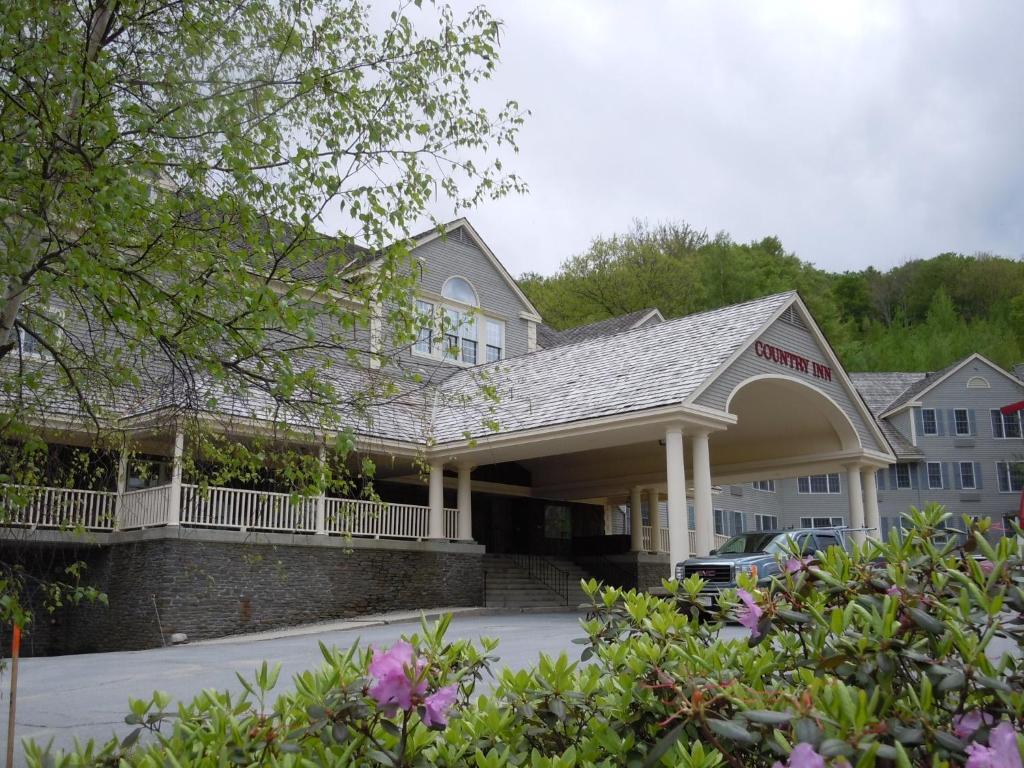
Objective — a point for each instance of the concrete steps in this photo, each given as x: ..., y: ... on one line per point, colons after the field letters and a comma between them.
x: 510, y: 586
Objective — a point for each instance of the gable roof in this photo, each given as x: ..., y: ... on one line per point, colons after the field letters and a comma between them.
x: 880, y: 389
x: 635, y: 370
x: 548, y: 337
x: 913, y: 392
x: 443, y: 230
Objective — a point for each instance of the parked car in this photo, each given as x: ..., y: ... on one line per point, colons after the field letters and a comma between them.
x: 760, y: 552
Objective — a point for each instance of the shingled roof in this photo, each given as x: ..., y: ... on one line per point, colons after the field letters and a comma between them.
x: 878, y: 391
x: 548, y: 337
x: 635, y: 370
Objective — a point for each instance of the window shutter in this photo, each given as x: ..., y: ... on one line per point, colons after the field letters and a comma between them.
x: 945, y: 475
x: 939, y: 426
x: 971, y: 421
x: 951, y: 415
x: 892, y: 477
x: 915, y: 476
x: 958, y: 482
x: 977, y: 475
x: 918, y: 421
x: 881, y: 479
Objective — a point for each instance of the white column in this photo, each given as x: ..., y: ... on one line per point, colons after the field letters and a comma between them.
x: 435, y: 522
x: 636, y: 520
x: 872, y: 519
x: 174, y: 503
x: 122, y: 483
x: 465, y: 503
x: 678, y: 533
x: 654, y: 513
x: 853, y: 487
x: 704, y: 520
x: 320, y: 524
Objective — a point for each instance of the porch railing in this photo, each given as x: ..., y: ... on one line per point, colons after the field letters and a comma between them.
x: 215, y: 507
x: 720, y: 539
x: 39, y: 507
x: 144, y: 508
x: 357, y: 517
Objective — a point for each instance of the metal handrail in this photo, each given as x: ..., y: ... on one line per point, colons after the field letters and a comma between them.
x: 546, y: 572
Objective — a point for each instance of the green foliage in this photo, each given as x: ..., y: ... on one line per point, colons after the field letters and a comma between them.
x: 879, y: 657
x: 921, y: 315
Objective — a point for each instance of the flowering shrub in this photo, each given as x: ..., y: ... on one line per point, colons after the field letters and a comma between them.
x: 905, y: 653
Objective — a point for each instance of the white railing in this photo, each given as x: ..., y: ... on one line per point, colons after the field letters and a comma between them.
x: 356, y: 517
x: 720, y: 539
x: 39, y: 507
x: 144, y: 508
x: 215, y: 507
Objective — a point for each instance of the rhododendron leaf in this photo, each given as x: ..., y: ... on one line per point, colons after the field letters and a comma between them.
x: 732, y: 729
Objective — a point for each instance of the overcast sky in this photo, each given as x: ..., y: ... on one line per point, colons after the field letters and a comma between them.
x: 859, y: 133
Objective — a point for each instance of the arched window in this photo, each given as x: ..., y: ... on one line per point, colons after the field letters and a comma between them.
x: 459, y: 289
x: 978, y: 382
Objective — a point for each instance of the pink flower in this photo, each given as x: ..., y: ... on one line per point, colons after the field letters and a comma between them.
x: 437, y: 705
x: 894, y: 591
x: 751, y: 614
x: 987, y: 566
x: 965, y: 725
x: 1001, y: 752
x: 398, y: 677
x: 795, y: 564
x: 803, y: 756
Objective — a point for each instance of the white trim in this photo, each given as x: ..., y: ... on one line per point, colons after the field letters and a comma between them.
x: 930, y: 387
x: 974, y: 476
x: 444, y: 229
x: 935, y: 422
x: 476, y: 294
x: 928, y: 475
x: 643, y: 320
x: 1009, y: 476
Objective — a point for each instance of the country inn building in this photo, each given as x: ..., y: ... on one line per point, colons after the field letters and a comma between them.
x: 736, y: 418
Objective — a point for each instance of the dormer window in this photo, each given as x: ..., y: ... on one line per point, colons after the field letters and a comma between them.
x: 459, y: 289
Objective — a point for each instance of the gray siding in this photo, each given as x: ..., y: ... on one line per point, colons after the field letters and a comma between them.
x: 794, y: 339
x: 457, y: 254
x: 981, y: 447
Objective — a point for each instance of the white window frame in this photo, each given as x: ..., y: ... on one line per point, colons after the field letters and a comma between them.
x: 471, y: 328
x: 928, y: 471
x: 828, y: 484
x: 1006, y: 474
x: 759, y: 521
x: 765, y: 486
x: 924, y: 422
x: 910, y: 481
x: 720, y: 521
x: 487, y: 346
x: 974, y: 480
x: 956, y: 422
x: 25, y: 338
x: 833, y: 521
x: 1003, y: 418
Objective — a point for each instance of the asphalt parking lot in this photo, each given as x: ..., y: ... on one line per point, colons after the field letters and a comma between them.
x: 65, y: 698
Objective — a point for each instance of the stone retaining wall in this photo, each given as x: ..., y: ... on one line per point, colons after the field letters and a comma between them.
x: 215, y: 583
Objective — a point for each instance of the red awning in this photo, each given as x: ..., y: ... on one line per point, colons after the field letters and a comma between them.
x: 1006, y: 410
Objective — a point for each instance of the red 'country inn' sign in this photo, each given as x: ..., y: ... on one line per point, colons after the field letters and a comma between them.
x: 793, y: 360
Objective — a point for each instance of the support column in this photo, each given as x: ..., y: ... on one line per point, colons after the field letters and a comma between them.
x: 465, y: 503
x: 654, y: 514
x: 872, y: 518
x: 853, y: 487
x: 435, y: 521
x: 678, y: 533
x: 636, y: 520
x: 174, y: 502
x: 122, y: 484
x: 704, y: 517
x: 320, y: 524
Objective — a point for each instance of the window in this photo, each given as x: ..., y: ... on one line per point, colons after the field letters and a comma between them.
x: 821, y: 522
x: 425, y: 336
x: 934, y: 475
x: 495, y: 340
x: 1005, y: 427
x: 903, y: 476
x: 967, y: 481
x: 1010, y: 475
x: 766, y: 522
x: 929, y: 425
x: 768, y: 486
x: 819, y: 484
x: 459, y: 289
x: 738, y: 523
x: 30, y: 346
x: 720, y: 522
x: 826, y: 540
x: 963, y: 423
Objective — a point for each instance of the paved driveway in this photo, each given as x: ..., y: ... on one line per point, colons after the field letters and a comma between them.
x: 86, y: 696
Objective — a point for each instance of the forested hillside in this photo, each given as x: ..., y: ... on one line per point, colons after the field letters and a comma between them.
x: 918, y: 316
